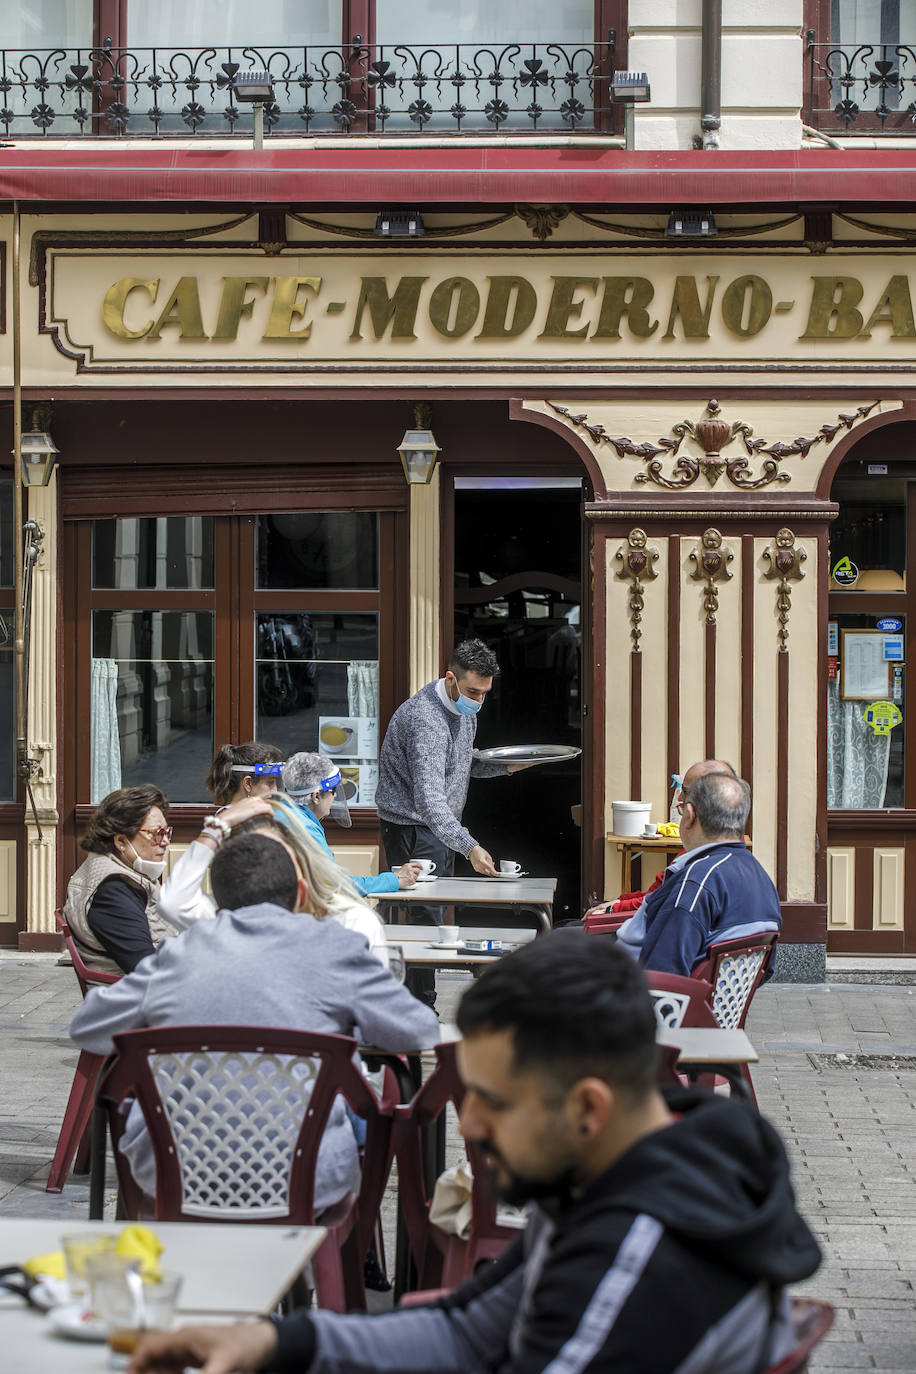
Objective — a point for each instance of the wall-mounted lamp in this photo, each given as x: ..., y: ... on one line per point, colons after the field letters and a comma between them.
x: 629, y: 89
x: 418, y: 449
x: 255, y: 88
x: 38, y: 450
x: 399, y: 224
x: 691, y: 224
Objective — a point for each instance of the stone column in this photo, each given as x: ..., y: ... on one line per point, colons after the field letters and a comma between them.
x: 42, y: 722
x: 425, y: 577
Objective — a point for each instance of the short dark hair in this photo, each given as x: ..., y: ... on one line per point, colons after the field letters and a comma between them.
x: 122, y: 813
x: 721, y: 803
x: 577, y: 1007
x: 250, y: 869
x: 473, y: 656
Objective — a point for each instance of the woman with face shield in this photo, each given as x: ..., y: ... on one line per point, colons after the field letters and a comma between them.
x: 112, y: 898
x: 314, y: 783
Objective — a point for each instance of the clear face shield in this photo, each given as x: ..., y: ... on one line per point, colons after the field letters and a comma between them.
x: 339, y: 808
x: 258, y: 771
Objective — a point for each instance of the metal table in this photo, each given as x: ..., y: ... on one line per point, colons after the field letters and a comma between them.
x: 529, y: 896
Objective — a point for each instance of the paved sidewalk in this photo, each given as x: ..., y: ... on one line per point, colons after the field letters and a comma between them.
x: 848, y: 1119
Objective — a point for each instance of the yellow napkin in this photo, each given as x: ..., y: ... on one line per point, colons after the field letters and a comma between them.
x: 135, y: 1242
x: 669, y: 831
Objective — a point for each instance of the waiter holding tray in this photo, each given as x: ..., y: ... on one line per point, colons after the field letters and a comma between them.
x: 425, y: 765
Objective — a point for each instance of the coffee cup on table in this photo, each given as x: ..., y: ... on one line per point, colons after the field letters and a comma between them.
x: 449, y: 935
x: 509, y: 868
x: 426, y: 866
x: 650, y: 830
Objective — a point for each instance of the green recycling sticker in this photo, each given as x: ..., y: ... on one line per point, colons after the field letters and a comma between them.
x: 882, y: 716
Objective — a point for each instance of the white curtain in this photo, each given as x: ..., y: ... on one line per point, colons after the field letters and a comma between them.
x: 105, y: 766
x: 362, y: 687
x: 857, y: 758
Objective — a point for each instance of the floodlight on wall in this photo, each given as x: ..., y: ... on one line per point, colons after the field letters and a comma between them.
x: 418, y: 449
x: 629, y: 89
x: 691, y: 224
x: 255, y: 88
x: 399, y: 224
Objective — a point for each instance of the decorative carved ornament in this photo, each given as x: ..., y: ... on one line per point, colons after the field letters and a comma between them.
x: 542, y: 219
x: 636, y: 561
x: 785, y: 563
x: 713, y: 434
x: 711, y: 567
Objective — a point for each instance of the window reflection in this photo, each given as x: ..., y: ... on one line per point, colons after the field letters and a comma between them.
x: 169, y: 552
x: 326, y: 549
x: 152, y: 701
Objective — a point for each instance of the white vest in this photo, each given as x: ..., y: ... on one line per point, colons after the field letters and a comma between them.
x: 80, y: 891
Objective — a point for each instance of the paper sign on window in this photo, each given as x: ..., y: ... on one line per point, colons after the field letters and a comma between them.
x: 864, y: 672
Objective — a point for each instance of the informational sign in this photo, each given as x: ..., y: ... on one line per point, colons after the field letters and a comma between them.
x: 889, y: 624
x: 882, y: 716
x: 845, y: 573
x: 831, y: 668
x: 865, y: 673
x: 877, y: 469
x: 354, y: 737
x: 833, y: 638
x: 893, y: 648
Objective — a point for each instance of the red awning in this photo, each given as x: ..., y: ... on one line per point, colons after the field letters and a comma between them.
x: 378, y: 176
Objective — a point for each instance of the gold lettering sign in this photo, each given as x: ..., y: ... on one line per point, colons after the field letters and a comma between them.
x: 500, y: 311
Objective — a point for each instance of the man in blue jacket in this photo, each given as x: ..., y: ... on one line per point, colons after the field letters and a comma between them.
x: 716, y: 890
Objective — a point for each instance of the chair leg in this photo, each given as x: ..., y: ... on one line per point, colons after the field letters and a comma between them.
x: 76, y: 1118
x: 84, y: 1153
x: 328, y: 1271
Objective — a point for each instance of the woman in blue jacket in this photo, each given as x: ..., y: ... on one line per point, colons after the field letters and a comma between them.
x: 314, y: 783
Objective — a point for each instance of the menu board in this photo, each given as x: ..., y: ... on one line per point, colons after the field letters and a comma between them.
x: 865, y: 674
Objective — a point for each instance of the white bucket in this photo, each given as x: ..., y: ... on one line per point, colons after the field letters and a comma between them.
x: 631, y: 817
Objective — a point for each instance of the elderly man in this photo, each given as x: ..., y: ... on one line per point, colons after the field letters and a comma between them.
x: 662, y: 1229
x: 264, y: 961
x: 715, y: 890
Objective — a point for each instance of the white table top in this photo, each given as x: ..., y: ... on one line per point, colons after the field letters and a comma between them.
x: 402, y: 935
x: 482, y: 891
x: 31, y: 1347
x: 710, y: 1045
x: 433, y: 955
x: 232, y: 1269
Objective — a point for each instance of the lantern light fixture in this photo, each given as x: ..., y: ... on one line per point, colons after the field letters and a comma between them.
x: 37, y: 450
x: 418, y: 450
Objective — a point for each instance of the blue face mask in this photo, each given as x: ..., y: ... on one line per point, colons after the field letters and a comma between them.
x: 465, y: 706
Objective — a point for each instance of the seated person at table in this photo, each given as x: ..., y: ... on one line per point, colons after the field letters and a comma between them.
x: 662, y: 1229
x: 314, y: 783
x: 716, y: 890
x: 112, y: 898
x: 263, y: 961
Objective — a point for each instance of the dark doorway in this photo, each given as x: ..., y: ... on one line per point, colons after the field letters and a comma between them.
x: 518, y: 587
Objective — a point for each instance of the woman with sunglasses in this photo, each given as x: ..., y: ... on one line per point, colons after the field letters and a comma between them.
x: 112, y: 898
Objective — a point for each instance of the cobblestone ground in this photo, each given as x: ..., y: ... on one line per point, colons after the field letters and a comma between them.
x: 847, y: 1115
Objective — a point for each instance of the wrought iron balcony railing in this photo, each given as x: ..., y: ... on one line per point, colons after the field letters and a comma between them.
x: 352, y: 89
x: 862, y: 88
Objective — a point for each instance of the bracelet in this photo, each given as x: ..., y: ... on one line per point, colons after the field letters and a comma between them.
x: 213, y: 834
x: 217, y: 823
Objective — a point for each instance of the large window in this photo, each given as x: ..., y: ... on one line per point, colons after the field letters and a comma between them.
x: 195, y: 630
x: 861, y: 71
x: 867, y: 704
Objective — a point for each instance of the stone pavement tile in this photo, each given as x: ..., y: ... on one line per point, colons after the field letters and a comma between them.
x: 840, y: 1355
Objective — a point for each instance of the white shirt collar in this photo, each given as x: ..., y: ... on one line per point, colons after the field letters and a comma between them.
x: 445, y: 698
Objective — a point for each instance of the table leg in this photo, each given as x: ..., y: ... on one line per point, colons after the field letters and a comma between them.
x: 97, y: 1165
x: 541, y: 912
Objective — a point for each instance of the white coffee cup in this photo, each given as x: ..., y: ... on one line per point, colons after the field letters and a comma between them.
x: 449, y: 935
x: 508, y: 867
x: 650, y: 830
x: 427, y: 866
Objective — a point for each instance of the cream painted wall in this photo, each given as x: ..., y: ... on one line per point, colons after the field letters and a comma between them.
x: 42, y: 716
x: 804, y: 698
x: 692, y: 690
x: 425, y: 583
x: 765, y: 714
x: 728, y: 661
x: 654, y: 686
x: 618, y: 712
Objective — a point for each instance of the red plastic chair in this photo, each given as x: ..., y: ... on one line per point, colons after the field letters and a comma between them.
x: 811, y: 1320
x: 736, y: 968
x: 74, y: 1132
x: 680, y: 1001
x: 442, y: 1260
x: 236, y: 1115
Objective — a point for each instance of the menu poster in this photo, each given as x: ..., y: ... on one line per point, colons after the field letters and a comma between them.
x: 368, y: 781
x: 865, y: 673
x: 367, y: 737
x: 337, y: 736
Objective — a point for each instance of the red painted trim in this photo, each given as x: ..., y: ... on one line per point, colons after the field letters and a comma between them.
x: 605, y: 178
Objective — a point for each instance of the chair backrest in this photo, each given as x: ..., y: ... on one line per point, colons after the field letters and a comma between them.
x: 811, y: 1320
x: 680, y: 1001
x: 736, y: 968
x: 86, y: 977
x: 236, y: 1114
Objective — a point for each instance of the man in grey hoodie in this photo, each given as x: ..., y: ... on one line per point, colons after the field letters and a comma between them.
x: 265, y: 962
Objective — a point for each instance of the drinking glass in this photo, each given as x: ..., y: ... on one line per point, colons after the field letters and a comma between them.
x: 79, y: 1248
x: 130, y: 1304
x: 397, y: 966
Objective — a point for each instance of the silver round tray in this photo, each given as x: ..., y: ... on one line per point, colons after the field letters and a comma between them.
x: 528, y: 753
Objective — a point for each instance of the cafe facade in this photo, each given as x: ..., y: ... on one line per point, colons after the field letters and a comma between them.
x: 228, y: 547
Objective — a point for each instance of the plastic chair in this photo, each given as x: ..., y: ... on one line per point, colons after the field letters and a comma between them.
x: 736, y: 968
x: 680, y: 1001
x: 74, y: 1132
x: 442, y: 1260
x: 236, y: 1116
x: 811, y: 1320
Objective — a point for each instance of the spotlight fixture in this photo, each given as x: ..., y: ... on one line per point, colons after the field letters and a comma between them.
x: 399, y: 224
x: 630, y: 88
x: 691, y: 224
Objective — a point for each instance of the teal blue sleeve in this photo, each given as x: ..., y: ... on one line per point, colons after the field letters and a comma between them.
x: 368, y: 886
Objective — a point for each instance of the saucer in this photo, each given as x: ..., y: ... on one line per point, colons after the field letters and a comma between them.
x: 76, y: 1322
x: 425, y: 878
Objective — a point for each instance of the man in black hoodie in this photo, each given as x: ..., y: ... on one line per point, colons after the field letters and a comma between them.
x: 662, y: 1230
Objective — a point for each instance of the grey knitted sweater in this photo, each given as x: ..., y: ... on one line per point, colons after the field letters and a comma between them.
x: 426, y: 762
